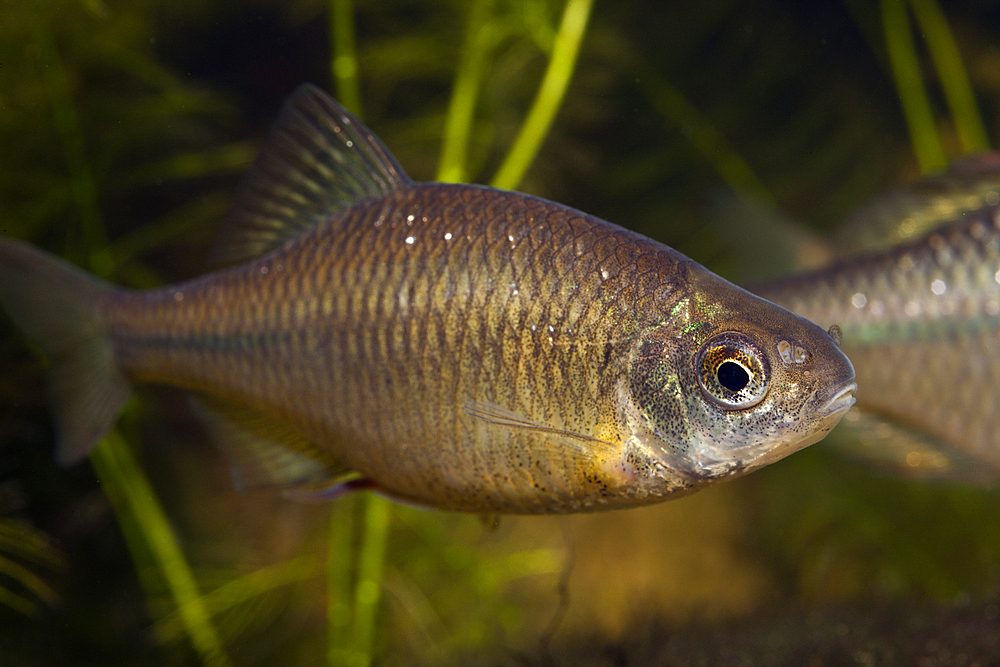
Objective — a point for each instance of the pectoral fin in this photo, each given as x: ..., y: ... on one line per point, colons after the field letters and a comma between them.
x: 579, y: 443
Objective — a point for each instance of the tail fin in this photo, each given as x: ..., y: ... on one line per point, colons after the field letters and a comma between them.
x: 57, y: 307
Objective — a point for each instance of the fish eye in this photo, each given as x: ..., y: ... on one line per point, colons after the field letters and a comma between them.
x: 732, y: 371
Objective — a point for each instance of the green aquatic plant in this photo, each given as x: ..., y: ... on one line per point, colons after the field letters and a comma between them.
x: 952, y: 75
x: 928, y: 145
x: 23, y: 551
x: 654, y: 119
x: 562, y: 59
x: 153, y: 543
x: 228, y: 596
x: 910, y: 83
x: 481, y: 36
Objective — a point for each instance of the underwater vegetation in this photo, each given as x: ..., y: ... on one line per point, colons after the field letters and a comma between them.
x: 126, y: 129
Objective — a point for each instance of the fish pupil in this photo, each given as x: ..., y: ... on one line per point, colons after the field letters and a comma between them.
x: 732, y: 376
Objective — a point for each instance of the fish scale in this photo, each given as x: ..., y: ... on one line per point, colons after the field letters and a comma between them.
x: 456, y: 346
x: 392, y: 408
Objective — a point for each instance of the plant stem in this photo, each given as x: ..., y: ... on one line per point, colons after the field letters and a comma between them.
x: 368, y: 590
x: 952, y: 74
x: 340, y: 555
x: 461, y: 108
x: 344, y: 64
x: 550, y: 95
x: 147, y: 529
x: 910, y: 85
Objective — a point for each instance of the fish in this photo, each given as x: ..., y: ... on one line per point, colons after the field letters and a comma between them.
x: 918, y: 302
x: 453, y: 346
x: 910, y: 212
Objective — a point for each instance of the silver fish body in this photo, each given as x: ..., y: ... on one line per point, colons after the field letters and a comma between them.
x: 921, y: 323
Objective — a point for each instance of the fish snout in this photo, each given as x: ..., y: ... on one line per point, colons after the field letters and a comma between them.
x: 841, y: 400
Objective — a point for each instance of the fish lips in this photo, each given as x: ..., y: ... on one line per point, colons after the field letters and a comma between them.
x: 841, y: 401
x: 711, y: 461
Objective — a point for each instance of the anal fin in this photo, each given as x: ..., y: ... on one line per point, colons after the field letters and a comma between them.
x: 322, y: 492
x: 262, y: 451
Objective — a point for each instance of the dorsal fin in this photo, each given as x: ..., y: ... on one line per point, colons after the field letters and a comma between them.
x: 318, y: 161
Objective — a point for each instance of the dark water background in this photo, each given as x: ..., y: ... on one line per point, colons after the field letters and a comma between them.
x: 126, y: 127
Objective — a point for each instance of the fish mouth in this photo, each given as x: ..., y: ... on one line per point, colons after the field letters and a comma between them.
x: 713, y: 463
x: 841, y: 401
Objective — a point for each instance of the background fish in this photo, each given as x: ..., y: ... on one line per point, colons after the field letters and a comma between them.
x: 455, y: 346
x: 906, y: 214
x: 920, y: 314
